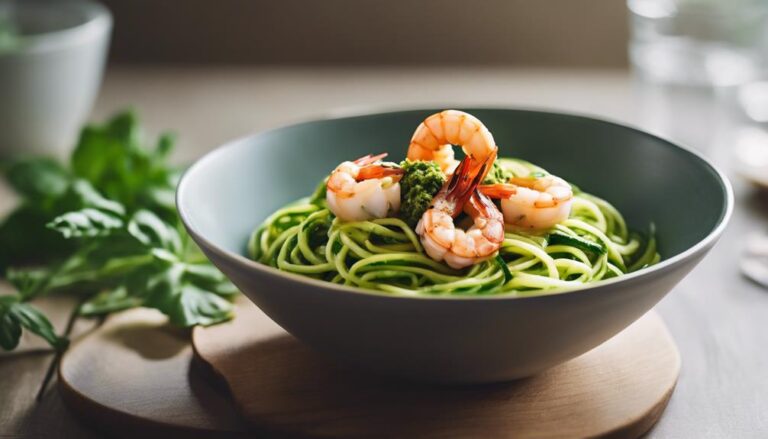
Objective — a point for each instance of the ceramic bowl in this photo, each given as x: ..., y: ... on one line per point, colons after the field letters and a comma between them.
x: 52, y: 57
x: 226, y: 194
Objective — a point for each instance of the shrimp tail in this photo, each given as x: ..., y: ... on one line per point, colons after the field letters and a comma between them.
x: 369, y: 159
x: 377, y: 171
x: 463, y: 183
x: 481, y: 204
x: 498, y: 190
x: 488, y: 162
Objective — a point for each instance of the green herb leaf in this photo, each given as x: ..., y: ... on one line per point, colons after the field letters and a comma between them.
x: 112, y: 158
x: 152, y: 231
x: 94, y: 269
x: 14, y: 315
x: 116, y: 299
x: 164, y: 146
x: 10, y: 329
x: 101, y: 150
x: 38, y: 178
x: 24, y: 238
x: 208, y: 277
x: 88, y: 196
x: 27, y: 282
x: 183, y: 302
x: 97, y: 216
x: 85, y: 223
x: 35, y: 322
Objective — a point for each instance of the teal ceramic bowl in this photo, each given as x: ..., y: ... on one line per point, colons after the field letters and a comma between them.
x: 226, y: 194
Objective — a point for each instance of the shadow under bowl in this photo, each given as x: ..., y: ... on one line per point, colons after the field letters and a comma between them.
x: 227, y: 193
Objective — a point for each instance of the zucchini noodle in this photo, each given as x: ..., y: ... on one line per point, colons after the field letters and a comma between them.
x: 594, y: 243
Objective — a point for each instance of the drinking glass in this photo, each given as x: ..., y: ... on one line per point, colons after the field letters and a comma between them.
x: 699, y: 42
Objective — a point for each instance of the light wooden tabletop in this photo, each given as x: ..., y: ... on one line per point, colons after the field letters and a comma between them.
x: 717, y: 317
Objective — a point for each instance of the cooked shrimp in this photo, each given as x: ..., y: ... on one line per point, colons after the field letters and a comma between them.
x: 442, y: 240
x: 364, y: 189
x: 533, y: 202
x: 433, y: 139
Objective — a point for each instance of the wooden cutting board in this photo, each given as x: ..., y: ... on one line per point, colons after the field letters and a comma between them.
x: 137, y: 376
x: 619, y: 389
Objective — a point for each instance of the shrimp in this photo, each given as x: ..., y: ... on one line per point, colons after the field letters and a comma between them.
x: 442, y: 240
x: 434, y: 136
x: 533, y: 202
x: 363, y: 189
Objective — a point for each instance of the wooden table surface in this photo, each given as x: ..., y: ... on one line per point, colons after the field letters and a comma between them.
x: 718, y: 318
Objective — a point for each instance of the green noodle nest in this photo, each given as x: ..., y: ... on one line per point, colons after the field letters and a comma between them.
x: 386, y: 255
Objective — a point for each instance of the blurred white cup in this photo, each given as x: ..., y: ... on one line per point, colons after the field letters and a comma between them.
x: 52, y: 56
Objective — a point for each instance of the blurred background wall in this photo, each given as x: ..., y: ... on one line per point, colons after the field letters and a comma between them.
x: 583, y: 33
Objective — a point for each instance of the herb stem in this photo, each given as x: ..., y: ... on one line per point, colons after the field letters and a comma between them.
x: 53, y: 365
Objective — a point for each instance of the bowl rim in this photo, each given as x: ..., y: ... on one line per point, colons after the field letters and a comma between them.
x: 645, y: 273
x: 97, y: 23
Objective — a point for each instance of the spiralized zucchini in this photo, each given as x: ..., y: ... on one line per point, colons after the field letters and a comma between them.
x: 386, y: 255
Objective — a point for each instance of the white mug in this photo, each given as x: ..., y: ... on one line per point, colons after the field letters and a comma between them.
x: 51, y: 65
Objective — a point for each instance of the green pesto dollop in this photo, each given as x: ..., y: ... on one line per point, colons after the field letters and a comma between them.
x: 420, y: 183
x: 498, y: 174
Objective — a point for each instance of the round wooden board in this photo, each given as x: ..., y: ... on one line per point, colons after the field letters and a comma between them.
x: 618, y: 389
x: 135, y: 375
